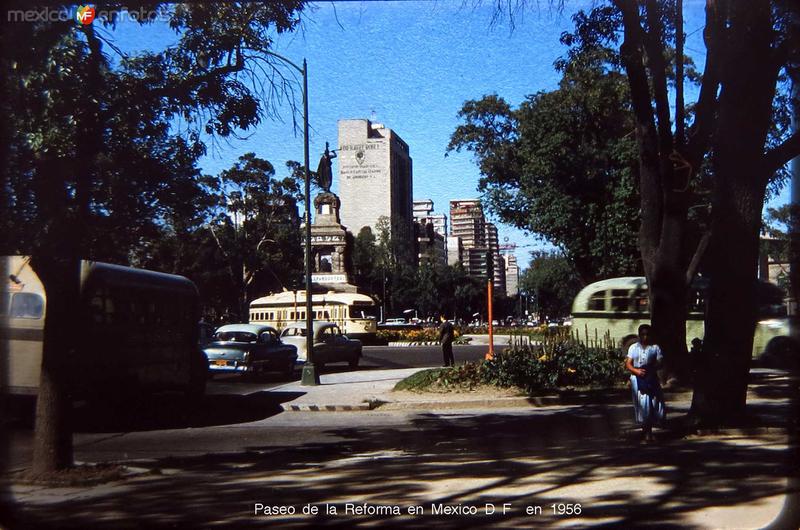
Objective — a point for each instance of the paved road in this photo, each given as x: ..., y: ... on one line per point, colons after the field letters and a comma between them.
x: 374, y: 357
x: 230, y: 400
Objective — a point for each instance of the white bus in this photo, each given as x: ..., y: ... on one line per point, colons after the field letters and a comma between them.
x: 618, y: 306
x: 356, y: 314
x: 137, y: 331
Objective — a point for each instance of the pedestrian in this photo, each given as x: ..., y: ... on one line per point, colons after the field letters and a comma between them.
x: 642, y: 362
x: 446, y: 336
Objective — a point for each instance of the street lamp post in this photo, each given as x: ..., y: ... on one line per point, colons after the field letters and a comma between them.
x: 310, y: 376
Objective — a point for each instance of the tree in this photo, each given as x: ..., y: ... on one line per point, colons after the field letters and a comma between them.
x: 551, y: 278
x: 364, y: 260
x: 749, y: 47
x: 248, y: 244
x: 94, y: 161
x: 262, y: 243
x: 563, y: 165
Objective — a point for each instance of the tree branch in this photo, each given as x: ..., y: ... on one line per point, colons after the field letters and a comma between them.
x: 698, y: 256
x: 658, y: 71
x: 680, y: 106
x: 650, y: 185
x: 189, y: 82
x: 776, y: 158
x: 706, y: 108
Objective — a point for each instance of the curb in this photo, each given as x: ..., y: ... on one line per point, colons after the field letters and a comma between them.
x: 311, y: 407
x: 503, y: 402
x: 406, y: 344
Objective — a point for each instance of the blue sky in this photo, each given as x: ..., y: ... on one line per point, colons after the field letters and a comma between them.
x: 410, y: 65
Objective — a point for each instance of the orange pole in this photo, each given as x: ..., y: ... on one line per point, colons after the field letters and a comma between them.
x: 490, y: 355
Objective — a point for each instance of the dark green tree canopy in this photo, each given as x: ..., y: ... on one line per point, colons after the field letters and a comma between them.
x: 563, y: 164
x: 551, y: 280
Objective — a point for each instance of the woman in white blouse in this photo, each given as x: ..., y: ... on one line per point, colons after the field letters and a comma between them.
x: 642, y: 362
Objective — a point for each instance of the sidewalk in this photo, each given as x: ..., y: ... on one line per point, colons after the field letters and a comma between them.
x: 371, y: 389
x: 364, y: 390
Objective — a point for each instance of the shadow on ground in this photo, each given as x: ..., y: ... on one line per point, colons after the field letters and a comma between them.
x: 584, y: 454
x: 165, y: 411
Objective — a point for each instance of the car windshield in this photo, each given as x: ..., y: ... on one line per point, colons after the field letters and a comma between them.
x: 235, y: 336
x: 294, y: 332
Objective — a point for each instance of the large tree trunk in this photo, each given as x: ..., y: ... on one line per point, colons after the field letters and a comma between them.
x: 745, y: 112
x: 52, y: 444
x: 663, y: 205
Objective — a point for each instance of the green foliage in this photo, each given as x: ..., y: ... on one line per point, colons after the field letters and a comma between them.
x: 249, y: 246
x: 95, y: 164
x: 564, y: 164
x: 552, y: 281
x: 101, y: 152
x: 566, y: 365
x: 419, y: 381
x: 413, y: 335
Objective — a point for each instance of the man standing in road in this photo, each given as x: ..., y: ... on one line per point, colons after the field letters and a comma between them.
x: 446, y: 336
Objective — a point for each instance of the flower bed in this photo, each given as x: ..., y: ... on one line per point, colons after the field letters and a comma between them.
x: 565, y: 364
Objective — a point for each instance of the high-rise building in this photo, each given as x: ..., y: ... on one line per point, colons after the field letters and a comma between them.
x: 423, y: 213
x: 480, y: 242
x: 468, y: 223
x: 431, y: 232
x: 512, y: 275
x: 455, y: 250
x: 375, y: 180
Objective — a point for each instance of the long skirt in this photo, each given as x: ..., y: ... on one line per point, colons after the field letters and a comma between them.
x: 648, y: 407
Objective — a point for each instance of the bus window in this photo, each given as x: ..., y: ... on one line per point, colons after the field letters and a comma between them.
x: 26, y: 305
x: 619, y: 300
x: 597, y: 302
x: 641, y: 302
x: 326, y: 315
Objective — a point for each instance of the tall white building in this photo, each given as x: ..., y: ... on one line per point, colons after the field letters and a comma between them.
x: 375, y: 179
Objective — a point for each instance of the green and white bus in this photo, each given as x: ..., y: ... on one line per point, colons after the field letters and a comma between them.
x: 137, y: 329
x: 617, y: 306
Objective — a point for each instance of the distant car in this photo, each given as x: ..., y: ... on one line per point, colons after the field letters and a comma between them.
x: 247, y: 348
x: 330, y: 346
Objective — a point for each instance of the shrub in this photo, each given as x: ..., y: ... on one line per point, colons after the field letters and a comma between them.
x: 565, y: 363
x: 419, y: 381
x: 411, y: 335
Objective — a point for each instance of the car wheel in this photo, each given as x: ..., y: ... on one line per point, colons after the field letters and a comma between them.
x: 290, y: 370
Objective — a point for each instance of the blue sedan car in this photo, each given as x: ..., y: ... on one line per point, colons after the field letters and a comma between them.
x: 249, y: 348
